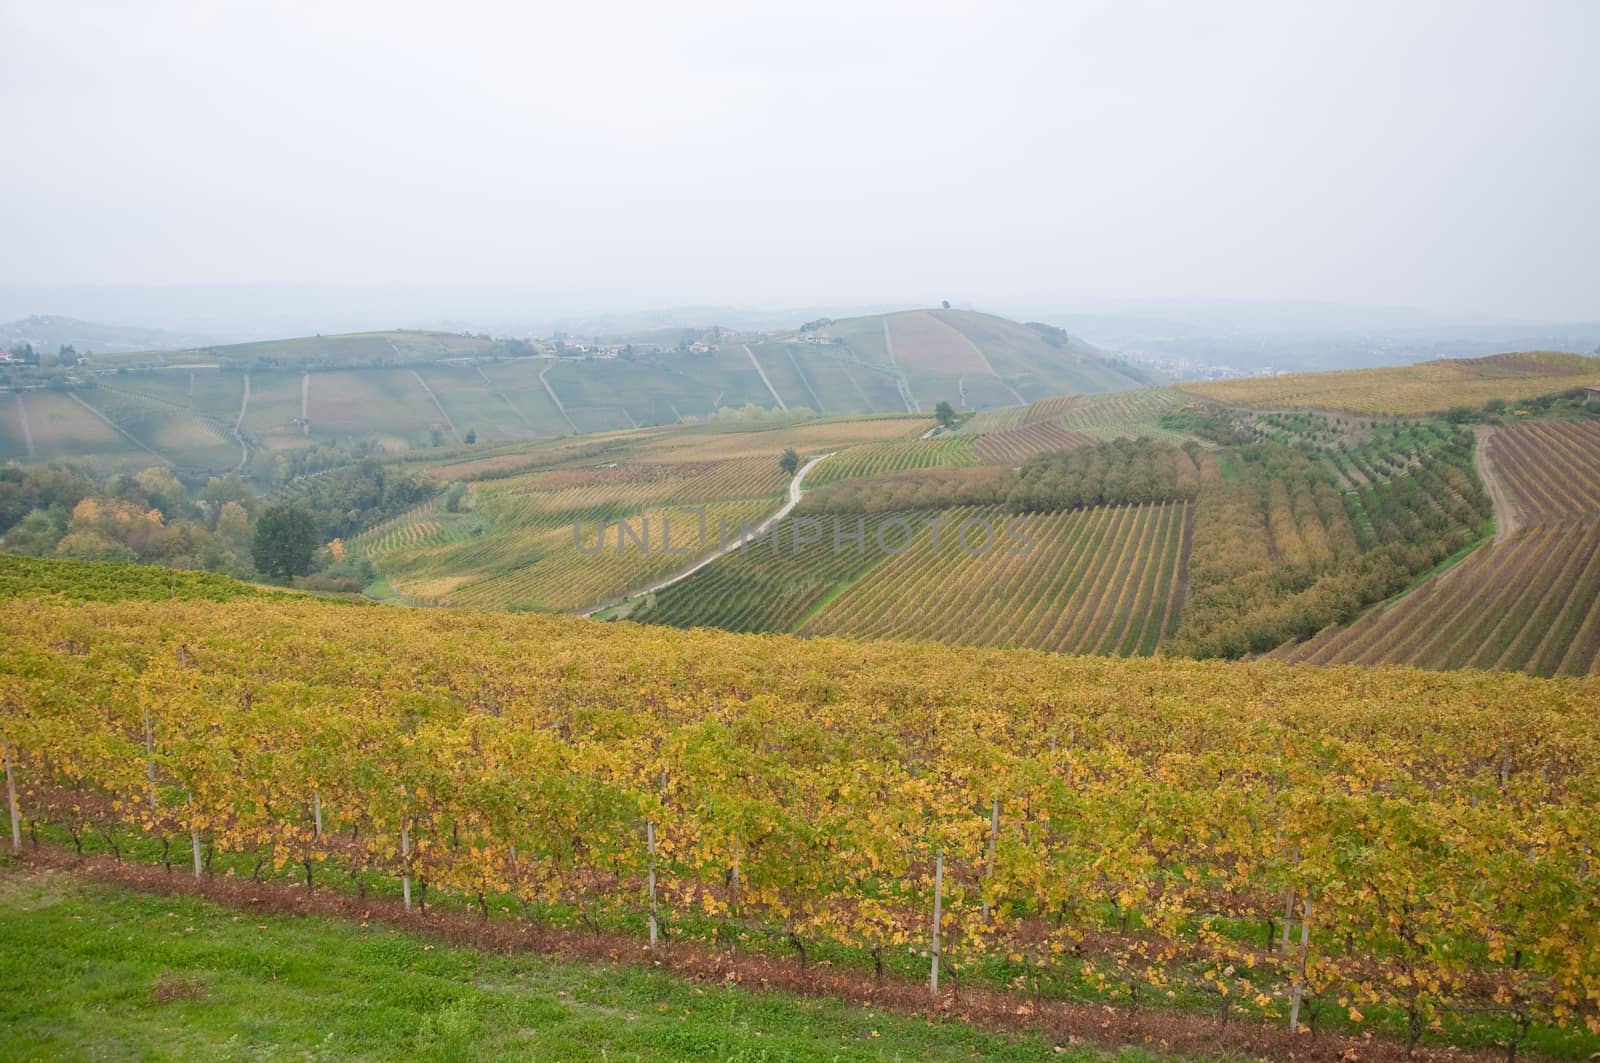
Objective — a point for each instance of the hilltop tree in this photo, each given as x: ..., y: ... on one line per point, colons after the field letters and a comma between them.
x: 945, y: 413
x: 789, y: 462
x: 471, y: 437
x: 285, y: 539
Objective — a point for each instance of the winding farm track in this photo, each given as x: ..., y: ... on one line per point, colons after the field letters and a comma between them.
x: 305, y: 403
x: 796, y: 492
x: 548, y: 390
x: 748, y: 353
x: 244, y: 404
x: 490, y: 384
x: 27, y: 428
x: 1506, y: 519
x: 984, y: 359
x: 109, y: 423
x: 423, y: 384
x: 238, y: 422
x: 809, y: 389
x: 912, y: 406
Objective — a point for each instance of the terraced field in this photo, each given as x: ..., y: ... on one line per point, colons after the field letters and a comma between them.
x: 1428, y: 387
x: 1104, y: 580
x: 1528, y: 603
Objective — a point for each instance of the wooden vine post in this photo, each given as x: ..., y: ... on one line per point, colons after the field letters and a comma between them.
x: 405, y: 863
x: 988, y: 863
x: 1299, y: 990
x: 938, y: 915
x: 650, y: 845
x: 11, y: 801
x: 194, y: 835
x: 150, y: 757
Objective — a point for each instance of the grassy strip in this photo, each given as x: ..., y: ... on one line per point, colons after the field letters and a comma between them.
x: 1067, y: 1006
x: 94, y: 971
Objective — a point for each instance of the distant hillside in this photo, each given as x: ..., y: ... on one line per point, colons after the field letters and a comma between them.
x: 1428, y: 387
x: 48, y: 333
x: 209, y: 409
x: 971, y: 360
x: 351, y: 350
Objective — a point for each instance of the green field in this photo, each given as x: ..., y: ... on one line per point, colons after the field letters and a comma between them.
x: 96, y: 971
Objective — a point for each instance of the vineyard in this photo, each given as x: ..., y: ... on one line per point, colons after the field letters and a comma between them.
x: 168, y: 428
x: 1093, y: 581
x: 1530, y: 602
x: 1009, y: 437
x: 1013, y: 446
x: 530, y: 537
x: 775, y: 584
x: 1283, y: 549
x: 115, y: 581
x: 1387, y: 850
x: 1428, y: 387
x: 878, y: 458
x: 1552, y: 468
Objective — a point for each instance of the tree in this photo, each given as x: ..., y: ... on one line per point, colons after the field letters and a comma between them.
x: 789, y: 462
x: 945, y: 413
x: 220, y: 490
x: 945, y: 303
x: 471, y: 437
x: 233, y: 528
x: 286, y: 537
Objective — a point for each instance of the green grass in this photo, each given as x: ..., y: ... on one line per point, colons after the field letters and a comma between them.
x: 96, y: 971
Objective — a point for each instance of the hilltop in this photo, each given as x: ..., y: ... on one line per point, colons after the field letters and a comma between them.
x: 350, y: 350
x: 971, y: 360
x: 48, y: 333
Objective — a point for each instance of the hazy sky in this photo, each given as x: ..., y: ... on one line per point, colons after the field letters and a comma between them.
x: 1445, y: 155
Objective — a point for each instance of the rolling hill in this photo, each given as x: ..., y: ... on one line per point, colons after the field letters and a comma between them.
x: 1427, y: 387
x: 1225, y: 531
x: 208, y: 409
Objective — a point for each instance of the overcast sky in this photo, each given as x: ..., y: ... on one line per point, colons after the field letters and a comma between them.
x: 1443, y: 155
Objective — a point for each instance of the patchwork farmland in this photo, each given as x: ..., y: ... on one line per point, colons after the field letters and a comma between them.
x: 529, y: 536
x: 1530, y: 602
